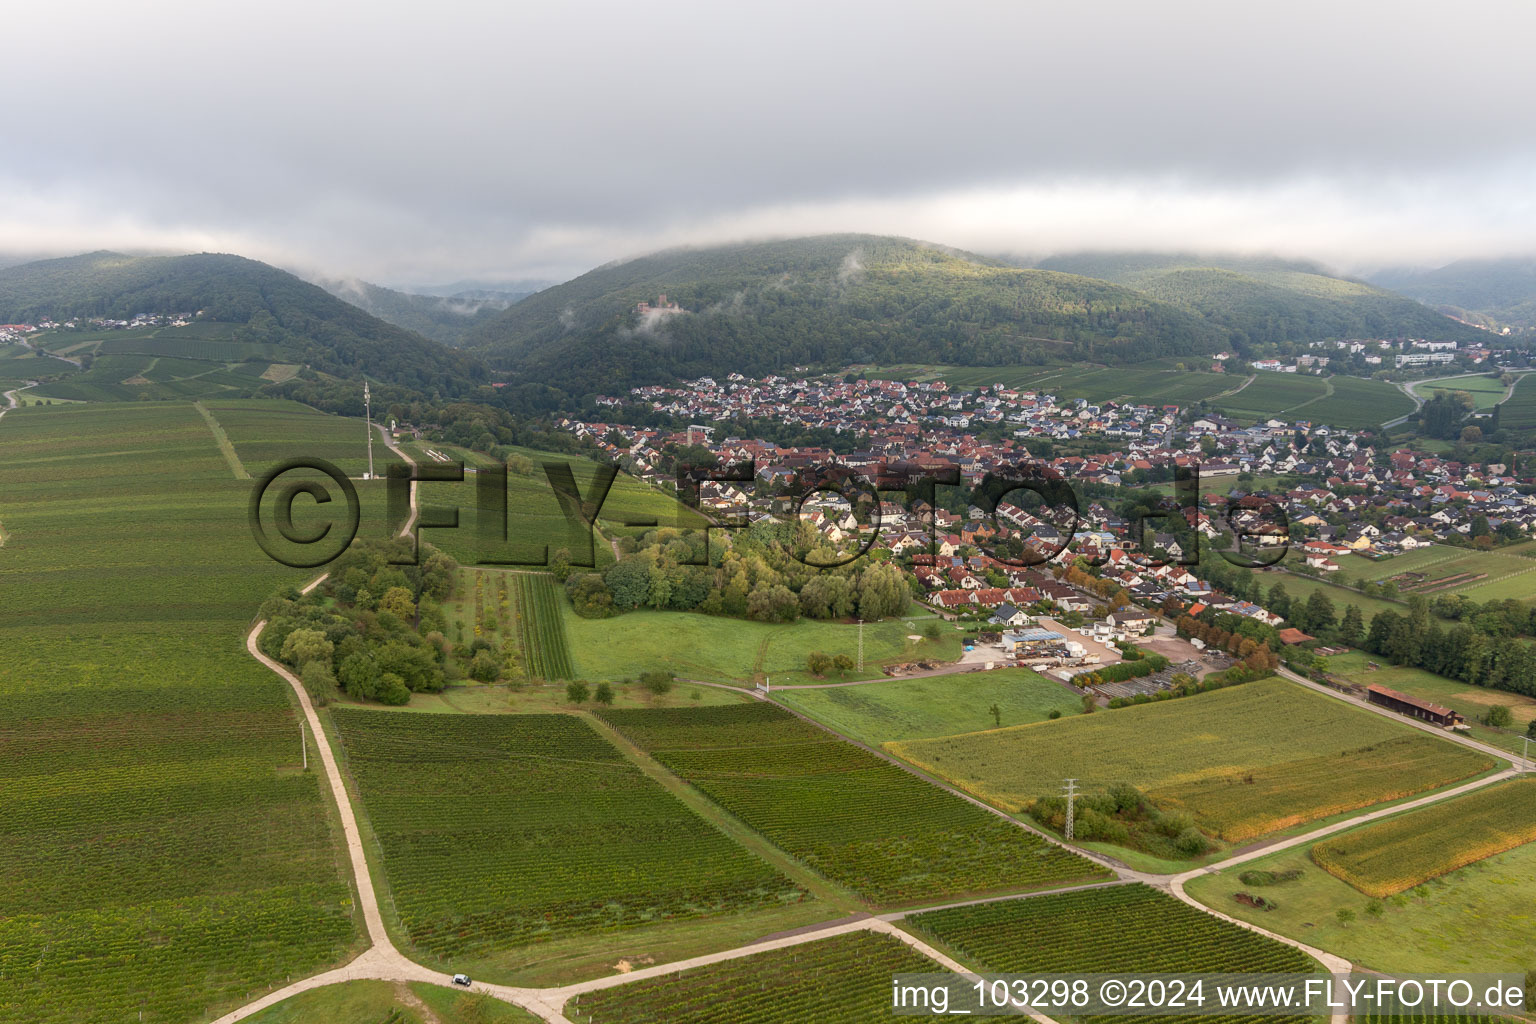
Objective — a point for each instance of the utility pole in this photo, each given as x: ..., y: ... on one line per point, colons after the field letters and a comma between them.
x: 303, y: 746
x: 368, y: 415
x: 1528, y: 766
x: 861, y: 645
x: 1071, y: 791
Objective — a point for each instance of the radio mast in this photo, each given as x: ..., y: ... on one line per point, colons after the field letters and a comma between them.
x: 368, y: 415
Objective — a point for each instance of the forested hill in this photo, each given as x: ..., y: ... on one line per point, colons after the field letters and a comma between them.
x: 826, y: 301
x: 1502, y: 291
x: 1265, y: 300
x: 267, y: 306
x: 443, y: 318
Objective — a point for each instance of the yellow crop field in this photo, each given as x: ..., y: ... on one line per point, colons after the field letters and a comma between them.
x: 1397, y: 854
x: 1244, y: 761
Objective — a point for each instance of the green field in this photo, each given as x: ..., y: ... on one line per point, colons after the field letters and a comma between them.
x: 1121, y: 929
x: 387, y: 1002
x: 841, y: 980
x: 1245, y: 761
x: 266, y: 432
x: 1355, y: 403
x: 498, y: 831
x: 718, y: 649
x: 541, y: 627
x: 1476, y: 575
x: 1519, y: 412
x: 1387, y: 857
x: 1272, y: 394
x: 163, y: 852
x: 1478, y: 918
x: 1486, y: 391
x: 855, y: 818
x: 906, y: 709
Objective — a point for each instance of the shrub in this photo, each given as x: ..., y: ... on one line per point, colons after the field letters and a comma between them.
x: 657, y: 681
x: 603, y: 694
x: 485, y: 668
x: 392, y: 690
x: 577, y: 691
x: 1054, y: 714
x: 1500, y: 717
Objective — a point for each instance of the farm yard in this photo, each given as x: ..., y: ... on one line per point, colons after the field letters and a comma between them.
x: 1244, y: 761
x: 1473, y: 919
x: 928, y: 706
x: 1387, y: 857
x: 1472, y: 701
x: 164, y: 853
x: 1120, y: 929
x: 842, y: 980
x: 851, y: 816
x: 1439, y: 569
x: 566, y: 837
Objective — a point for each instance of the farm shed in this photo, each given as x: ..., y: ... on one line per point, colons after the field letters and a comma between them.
x: 1413, y: 707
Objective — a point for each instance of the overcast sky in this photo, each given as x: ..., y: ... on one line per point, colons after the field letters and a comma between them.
x: 428, y: 142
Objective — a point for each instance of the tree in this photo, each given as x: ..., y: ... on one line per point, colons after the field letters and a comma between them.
x: 603, y: 694
x: 399, y: 603
x: 1345, y: 915
x: 1530, y: 730
x: 1352, y: 627
x: 303, y: 646
x: 577, y: 691
x: 997, y: 715
x: 1471, y: 435
x: 1319, y: 612
x: 1480, y: 527
x: 485, y: 667
x: 817, y: 663
x: 392, y: 690
x: 931, y: 631
x: 1499, y: 717
x: 842, y: 664
x: 656, y: 681
x: 319, y: 681
x: 359, y: 676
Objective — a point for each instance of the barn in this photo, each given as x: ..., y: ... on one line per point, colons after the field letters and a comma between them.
x: 1413, y: 707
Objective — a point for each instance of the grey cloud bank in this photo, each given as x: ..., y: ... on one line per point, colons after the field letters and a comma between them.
x: 403, y: 143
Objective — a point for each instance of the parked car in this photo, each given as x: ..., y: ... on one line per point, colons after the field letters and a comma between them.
x: 461, y: 979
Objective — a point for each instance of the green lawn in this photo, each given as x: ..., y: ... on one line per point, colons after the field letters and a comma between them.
x: 1479, y: 918
x: 1244, y: 761
x: 905, y: 709
x: 717, y: 649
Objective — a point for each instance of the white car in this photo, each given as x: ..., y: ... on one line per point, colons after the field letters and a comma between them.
x: 461, y: 979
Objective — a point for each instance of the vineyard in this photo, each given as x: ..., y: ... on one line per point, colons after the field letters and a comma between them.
x: 163, y: 852
x: 846, y: 813
x: 541, y: 627
x: 841, y: 980
x: 1395, y: 855
x: 265, y: 432
x: 503, y: 830
x: 1244, y: 761
x: 1122, y: 929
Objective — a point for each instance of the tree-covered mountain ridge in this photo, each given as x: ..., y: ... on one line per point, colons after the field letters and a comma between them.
x: 764, y: 307
x: 261, y: 303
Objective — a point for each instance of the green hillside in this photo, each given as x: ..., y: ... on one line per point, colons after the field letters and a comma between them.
x: 1266, y: 300
x: 768, y: 306
x: 443, y: 318
x: 1496, y: 291
x: 259, y: 304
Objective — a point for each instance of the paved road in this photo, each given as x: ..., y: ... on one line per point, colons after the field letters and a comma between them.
x: 10, y: 397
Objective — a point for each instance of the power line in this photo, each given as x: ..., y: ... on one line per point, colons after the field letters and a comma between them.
x: 1071, y: 791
